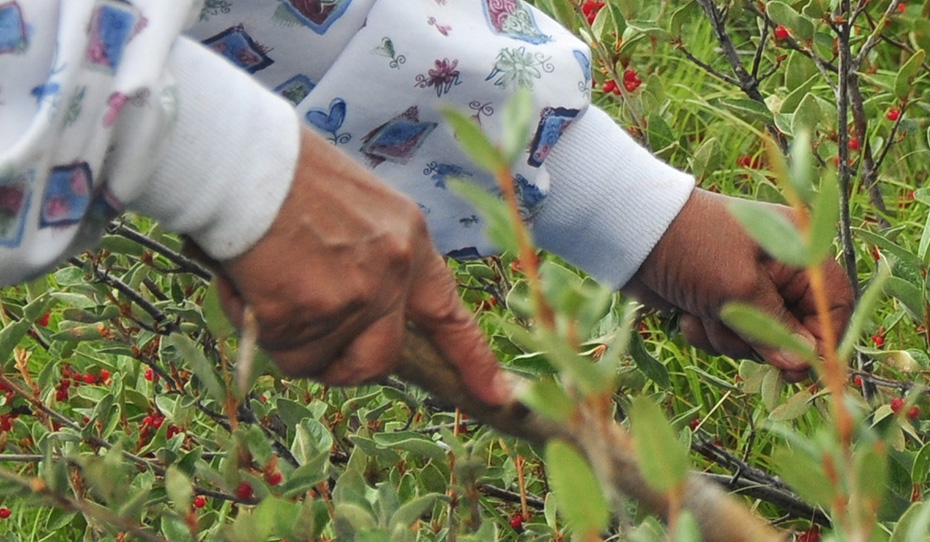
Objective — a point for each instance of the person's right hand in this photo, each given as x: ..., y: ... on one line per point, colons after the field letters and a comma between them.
x: 345, y: 264
x: 706, y: 259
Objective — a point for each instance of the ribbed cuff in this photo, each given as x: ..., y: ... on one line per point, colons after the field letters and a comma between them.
x: 610, y: 201
x: 230, y: 159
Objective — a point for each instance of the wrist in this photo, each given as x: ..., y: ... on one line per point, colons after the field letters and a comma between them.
x: 611, y: 200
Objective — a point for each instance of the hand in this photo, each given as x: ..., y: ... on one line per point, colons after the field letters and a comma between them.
x: 705, y: 259
x: 345, y: 264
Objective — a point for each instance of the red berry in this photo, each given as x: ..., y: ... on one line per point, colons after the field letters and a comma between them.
x: 103, y: 375
x: 894, y: 114
x: 878, y: 341
x: 897, y: 404
x: 854, y: 144
x: 902, y: 7
x: 858, y: 381
x: 61, y: 394
x: 77, y: 377
x: 244, y: 491
x: 516, y: 521
x: 89, y: 378
x: 590, y: 9
x: 6, y: 423
x: 913, y: 413
x: 630, y: 75
x: 43, y: 320
x: 694, y: 423
x: 781, y: 32
x: 5, y: 512
x: 200, y: 501
x: 149, y: 374
x: 610, y: 86
x: 631, y: 86
x: 274, y: 478
x: 810, y: 535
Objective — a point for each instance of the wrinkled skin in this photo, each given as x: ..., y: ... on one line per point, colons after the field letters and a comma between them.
x: 345, y: 264
x: 705, y: 259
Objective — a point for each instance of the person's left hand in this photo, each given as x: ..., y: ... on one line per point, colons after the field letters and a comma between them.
x: 706, y: 259
x: 346, y: 263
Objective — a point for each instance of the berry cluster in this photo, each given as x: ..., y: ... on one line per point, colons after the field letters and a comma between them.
x: 631, y: 82
x: 69, y: 378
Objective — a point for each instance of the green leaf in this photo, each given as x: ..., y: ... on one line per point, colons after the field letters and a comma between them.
x: 707, y: 158
x: 921, y: 466
x: 661, y: 456
x: 659, y: 132
x: 913, y: 525
x: 312, y: 444
x: 37, y: 307
x: 410, y: 512
x: 581, y: 499
x: 217, y: 322
x: 824, y: 217
x: 179, y: 489
x: 807, y: 116
x: 687, y: 529
x: 645, y: 362
x: 518, y: 113
x: 864, y: 311
x: 772, y: 230
x: 786, y: 16
x: 474, y: 142
x: 900, y: 253
x: 903, y: 82
x: 757, y: 325
x: 500, y: 229
x: 205, y: 371
x: 748, y: 110
x: 549, y: 399
x: 801, y: 172
x: 924, y: 241
x: 10, y: 337
x: 412, y: 442
x: 796, y: 406
x: 909, y: 294
x: 793, y: 99
x: 804, y: 474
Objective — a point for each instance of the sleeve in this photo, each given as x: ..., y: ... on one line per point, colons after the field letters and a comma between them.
x: 103, y: 107
x: 587, y: 190
x: 611, y: 199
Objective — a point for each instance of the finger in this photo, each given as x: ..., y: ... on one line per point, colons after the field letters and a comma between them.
x: 726, y: 341
x: 771, y: 302
x: 370, y: 357
x: 435, y: 307
x: 693, y: 330
x: 645, y: 295
x: 230, y: 300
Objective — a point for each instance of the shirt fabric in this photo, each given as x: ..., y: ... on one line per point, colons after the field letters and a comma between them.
x: 105, y: 106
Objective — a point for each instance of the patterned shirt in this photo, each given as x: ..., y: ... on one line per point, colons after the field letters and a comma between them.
x: 103, y: 107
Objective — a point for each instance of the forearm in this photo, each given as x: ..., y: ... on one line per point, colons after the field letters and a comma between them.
x: 104, y: 109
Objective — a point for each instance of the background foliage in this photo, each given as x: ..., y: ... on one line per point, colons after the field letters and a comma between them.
x: 120, y: 420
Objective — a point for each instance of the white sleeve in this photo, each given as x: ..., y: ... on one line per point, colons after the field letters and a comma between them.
x: 611, y: 199
x: 103, y: 107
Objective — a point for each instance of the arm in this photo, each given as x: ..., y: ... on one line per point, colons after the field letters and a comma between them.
x: 637, y: 224
x: 158, y: 124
